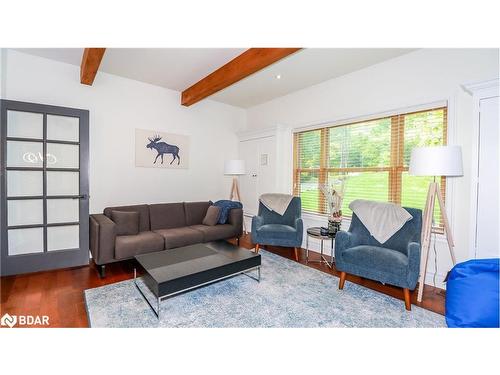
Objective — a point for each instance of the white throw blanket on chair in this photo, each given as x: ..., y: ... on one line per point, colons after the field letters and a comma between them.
x: 276, y: 202
x: 381, y: 219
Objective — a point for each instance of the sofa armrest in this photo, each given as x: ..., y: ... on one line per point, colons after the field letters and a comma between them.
x: 102, y: 238
x: 343, y: 241
x: 257, y: 222
x: 413, y: 253
x: 299, y: 226
x: 235, y: 218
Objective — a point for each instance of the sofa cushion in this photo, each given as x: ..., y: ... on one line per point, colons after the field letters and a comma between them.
x: 127, y: 223
x: 277, y: 231
x: 195, y: 212
x: 167, y: 215
x: 212, y: 216
x: 144, y: 242
x: 216, y: 232
x: 377, y: 258
x: 177, y: 237
x: 143, y: 210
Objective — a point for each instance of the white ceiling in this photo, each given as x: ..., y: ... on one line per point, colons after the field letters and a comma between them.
x: 173, y: 68
x: 302, y: 69
x: 179, y: 68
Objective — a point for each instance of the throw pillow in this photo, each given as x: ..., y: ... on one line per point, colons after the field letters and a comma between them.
x: 212, y: 216
x: 127, y: 223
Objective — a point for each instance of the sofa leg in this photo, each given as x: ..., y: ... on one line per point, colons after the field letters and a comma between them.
x: 237, y: 241
x: 102, y: 271
x: 296, y: 253
x: 406, y: 293
x: 342, y: 280
x: 256, y: 248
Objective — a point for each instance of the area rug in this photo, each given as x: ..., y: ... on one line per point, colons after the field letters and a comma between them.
x: 288, y: 295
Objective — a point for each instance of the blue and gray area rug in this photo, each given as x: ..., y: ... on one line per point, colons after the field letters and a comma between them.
x: 288, y: 295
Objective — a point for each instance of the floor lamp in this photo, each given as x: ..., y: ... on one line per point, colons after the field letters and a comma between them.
x: 235, y: 168
x: 438, y: 161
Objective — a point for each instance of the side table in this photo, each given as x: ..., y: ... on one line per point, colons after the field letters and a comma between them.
x: 315, y: 232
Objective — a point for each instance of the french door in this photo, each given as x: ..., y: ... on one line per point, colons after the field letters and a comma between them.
x: 44, y: 187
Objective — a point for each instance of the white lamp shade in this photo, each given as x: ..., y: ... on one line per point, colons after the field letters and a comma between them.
x: 436, y: 161
x: 234, y: 167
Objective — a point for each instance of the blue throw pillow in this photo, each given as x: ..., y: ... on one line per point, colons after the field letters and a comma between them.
x: 226, y: 206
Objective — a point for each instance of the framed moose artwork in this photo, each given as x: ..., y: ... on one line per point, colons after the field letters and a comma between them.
x: 156, y: 149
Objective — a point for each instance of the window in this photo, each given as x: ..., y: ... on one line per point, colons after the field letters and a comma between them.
x: 370, y: 157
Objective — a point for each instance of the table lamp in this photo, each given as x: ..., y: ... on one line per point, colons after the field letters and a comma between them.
x: 437, y: 161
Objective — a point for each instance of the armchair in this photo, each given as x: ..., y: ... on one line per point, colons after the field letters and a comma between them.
x: 395, y: 262
x: 270, y: 228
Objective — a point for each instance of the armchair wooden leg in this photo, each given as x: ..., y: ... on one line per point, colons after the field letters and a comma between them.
x: 256, y: 248
x: 296, y: 253
x: 342, y: 280
x: 406, y: 293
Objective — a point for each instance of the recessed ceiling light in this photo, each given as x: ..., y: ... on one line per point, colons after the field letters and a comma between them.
x: 278, y: 76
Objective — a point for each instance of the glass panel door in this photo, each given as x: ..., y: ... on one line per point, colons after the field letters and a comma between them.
x: 44, y: 187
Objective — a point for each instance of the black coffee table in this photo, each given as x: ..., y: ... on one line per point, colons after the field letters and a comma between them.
x: 174, y: 271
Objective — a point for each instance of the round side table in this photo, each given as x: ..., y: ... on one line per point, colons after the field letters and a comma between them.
x: 315, y: 232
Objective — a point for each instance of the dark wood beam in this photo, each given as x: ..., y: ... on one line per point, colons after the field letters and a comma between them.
x: 90, y: 64
x: 249, y: 62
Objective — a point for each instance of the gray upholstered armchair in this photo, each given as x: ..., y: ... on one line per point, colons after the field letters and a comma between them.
x: 395, y: 262
x: 270, y: 228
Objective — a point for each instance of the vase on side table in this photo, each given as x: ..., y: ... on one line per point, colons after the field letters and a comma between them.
x: 334, y: 223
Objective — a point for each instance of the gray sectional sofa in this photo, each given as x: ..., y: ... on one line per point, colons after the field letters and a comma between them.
x: 160, y: 227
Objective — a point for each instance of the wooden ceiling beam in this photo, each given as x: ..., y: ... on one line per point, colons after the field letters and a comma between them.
x: 90, y: 64
x: 249, y: 62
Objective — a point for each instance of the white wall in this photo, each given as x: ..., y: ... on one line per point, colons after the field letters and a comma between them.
x: 117, y: 106
x: 420, y: 77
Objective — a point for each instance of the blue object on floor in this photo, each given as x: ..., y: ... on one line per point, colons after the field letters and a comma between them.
x: 472, y: 294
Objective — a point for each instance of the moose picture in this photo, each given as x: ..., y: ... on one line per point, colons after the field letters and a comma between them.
x: 155, y: 149
x: 163, y: 148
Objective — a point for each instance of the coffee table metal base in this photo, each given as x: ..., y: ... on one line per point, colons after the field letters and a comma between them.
x: 160, y: 298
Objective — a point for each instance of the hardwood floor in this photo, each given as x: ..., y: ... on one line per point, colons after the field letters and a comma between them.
x: 59, y: 294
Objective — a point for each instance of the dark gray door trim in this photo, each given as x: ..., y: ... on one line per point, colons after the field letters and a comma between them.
x: 17, y: 264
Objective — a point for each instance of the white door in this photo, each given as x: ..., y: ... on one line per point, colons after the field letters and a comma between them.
x: 248, y: 182
x: 488, y: 225
x: 266, y: 181
x: 260, y: 163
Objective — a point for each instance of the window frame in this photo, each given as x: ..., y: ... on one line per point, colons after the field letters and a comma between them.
x: 395, y: 169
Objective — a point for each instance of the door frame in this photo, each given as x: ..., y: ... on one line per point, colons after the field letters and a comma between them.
x: 46, y: 260
x: 478, y: 91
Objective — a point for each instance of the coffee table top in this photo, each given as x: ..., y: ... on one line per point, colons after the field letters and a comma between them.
x: 168, y: 265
